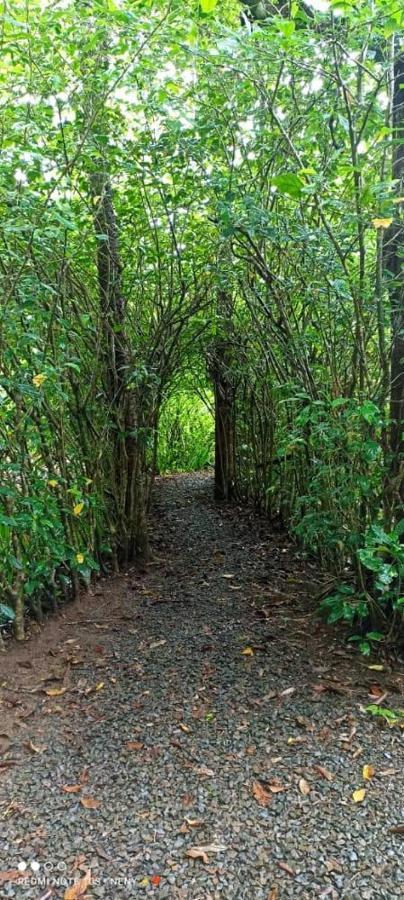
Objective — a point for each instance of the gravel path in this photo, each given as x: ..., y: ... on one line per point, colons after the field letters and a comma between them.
x: 200, y: 704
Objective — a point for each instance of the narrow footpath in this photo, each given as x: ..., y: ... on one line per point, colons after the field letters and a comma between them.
x: 194, y: 732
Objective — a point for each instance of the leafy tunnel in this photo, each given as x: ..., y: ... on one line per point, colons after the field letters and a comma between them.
x: 202, y: 245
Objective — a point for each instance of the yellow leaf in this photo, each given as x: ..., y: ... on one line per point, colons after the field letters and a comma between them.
x: 248, y: 651
x: 376, y: 668
x: 144, y: 882
x: 78, y: 509
x: 55, y: 692
x: 359, y: 795
x: 79, y: 888
x: 52, y: 482
x: 100, y: 686
x: 381, y: 223
x: 368, y: 772
x: 38, y: 380
x: 80, y: 557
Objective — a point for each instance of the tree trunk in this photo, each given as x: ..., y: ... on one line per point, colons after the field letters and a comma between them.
x: 394, y: 248
x: 127, y: 469
x: 223, y: 387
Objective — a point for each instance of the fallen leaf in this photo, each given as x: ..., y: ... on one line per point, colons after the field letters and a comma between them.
x: 305, y: 723
x: 368, y: 772
x: 396, y: 829
x: 304, y: 787
x: 274, y: 785
x: 185, y: 728
x: 157, y: 644
x: 79, y: 888
x: 35, y: 748
x: 248, y: 651
x: 71, y: 788
x: 90, y: 803
x: 376, y: 691
x: 55, y: 692
x: 204, y: 772
x: 201, y: 852
x: 134, y: 745
x: 297, y: 740
x: 155, y: 879
x: 359, y: 795
x: 376, y: 668
x: 324, y: 773
x: 194, y: 823
x: 197, y: 853
x: 287, y: 869
x: 262, y: 796
x: 12, y: 875
x: 144, y: 882
x: 273, y: 894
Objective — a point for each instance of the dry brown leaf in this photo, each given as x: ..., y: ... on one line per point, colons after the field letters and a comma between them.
x: 287, y: 692
x: 275, y: 786
x: 157, y: 644
x: 198, y: 853
x: 396, y: 829
x: 79, y: 888
x: 325, y: 773
x: 35, y: 748
x: 71, y: 788
x: 262, y: 796
x: 202, y: 852
x: 304, y: 787
x: 134, y: 745
x: 204, y: 771
x: 55, y: 692
x: 305, y: 723
x: 90, y: 803
x: 273, y: 894
x: 185, y: 728
x: 194, y: 823
x: 12, y: 875
x: 287, y: 869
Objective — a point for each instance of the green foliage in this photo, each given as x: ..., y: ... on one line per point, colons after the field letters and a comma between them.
x: 380, y: 600
x: 391, y: 716
x: 250, y: 159
x: 186, y: 434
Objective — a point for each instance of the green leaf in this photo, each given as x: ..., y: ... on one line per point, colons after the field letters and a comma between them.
x: 207, y: 6
x: 288, y: 183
